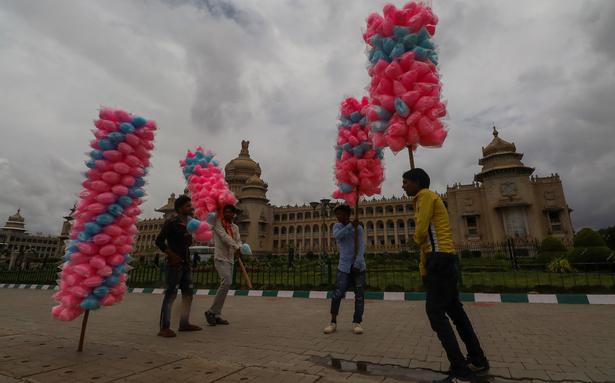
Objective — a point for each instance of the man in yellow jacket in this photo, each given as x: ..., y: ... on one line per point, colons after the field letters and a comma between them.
x: 440, y: 277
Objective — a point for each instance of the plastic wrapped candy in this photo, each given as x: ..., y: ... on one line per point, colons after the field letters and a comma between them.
x: 209, y: 191
x: 358, y: 166
x: 98, y: 253
x: 245, y: 249
x: 405, y: 87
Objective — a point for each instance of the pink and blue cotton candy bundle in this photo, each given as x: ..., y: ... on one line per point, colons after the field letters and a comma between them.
x: 358, y: 166
x: 208, y: 189
x: 97, y: 256
x: 406, y: 109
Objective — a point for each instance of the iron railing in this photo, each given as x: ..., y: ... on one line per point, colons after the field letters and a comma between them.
x: 384, y: 274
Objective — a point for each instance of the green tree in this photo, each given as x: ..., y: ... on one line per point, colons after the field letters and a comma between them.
x: 550, y: 249
x: 551, y: 244
x: 608, y: 234
x: 589, y: 247
x: 587, y: 237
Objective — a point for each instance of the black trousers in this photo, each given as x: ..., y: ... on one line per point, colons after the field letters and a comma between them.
x: 442, y: 300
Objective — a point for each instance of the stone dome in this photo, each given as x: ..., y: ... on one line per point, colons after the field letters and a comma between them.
x: 243, y: 164
x: 241, y: 169
x: 16, y: 222
x: 501, y: 157
x: 255, y: 180
x: 498, y: 145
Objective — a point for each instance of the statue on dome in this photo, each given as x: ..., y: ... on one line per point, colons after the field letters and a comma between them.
x: 244, y: 147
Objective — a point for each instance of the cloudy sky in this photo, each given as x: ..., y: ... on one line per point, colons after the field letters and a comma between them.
x: 214, y: 72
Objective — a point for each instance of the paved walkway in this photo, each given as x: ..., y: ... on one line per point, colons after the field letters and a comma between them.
x: 280, y: 340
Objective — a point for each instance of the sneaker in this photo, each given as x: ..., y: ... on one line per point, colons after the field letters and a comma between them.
x: 190, y: 327
x: 210, y: 318
x: 454, y: 379
x: 330, y: 328
x: 479, y: 367
x: 167, y: 333
x: 357, y: 329
x: 221, y: 321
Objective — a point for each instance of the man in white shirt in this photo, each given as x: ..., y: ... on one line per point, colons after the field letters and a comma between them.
x: 227, y: 243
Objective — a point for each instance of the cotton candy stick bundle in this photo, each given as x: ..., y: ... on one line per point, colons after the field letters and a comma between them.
x: 358, y: 166
x: 98, y: 254
x: 209, y: 191
x: 405, y: 87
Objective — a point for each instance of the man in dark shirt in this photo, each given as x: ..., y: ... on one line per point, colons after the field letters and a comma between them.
x: 174, y: 240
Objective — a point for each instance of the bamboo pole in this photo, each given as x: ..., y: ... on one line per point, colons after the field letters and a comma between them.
x: 84, y: 324
x: 244, y: 272
x: 411, y: 157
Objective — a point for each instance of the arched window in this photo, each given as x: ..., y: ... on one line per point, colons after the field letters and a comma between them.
x: 370, y: 227
x: 411, y: 224
x: 390, y: 226
x: 291, y: 230
x: 283, y: 230
x: 276, y: 231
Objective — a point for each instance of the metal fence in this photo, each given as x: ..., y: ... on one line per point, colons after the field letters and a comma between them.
x: 383, y: 274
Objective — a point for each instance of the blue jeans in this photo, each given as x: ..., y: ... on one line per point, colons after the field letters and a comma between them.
x: 179, y: 276
x: 342, y: 283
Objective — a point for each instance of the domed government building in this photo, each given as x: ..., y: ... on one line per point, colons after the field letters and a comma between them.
x: 20, y: 249
x: 505, y: 201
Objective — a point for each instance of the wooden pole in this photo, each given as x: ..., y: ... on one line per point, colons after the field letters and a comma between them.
x: 245, y: 273
x: 411, y: 157
x: 356, y: 232
x: 84, y: 324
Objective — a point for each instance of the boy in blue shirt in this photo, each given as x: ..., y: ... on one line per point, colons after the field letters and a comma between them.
x: 350, y: 270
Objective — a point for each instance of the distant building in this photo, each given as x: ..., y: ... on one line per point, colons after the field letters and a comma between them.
x: 19, y: 249
x: 145, y: 247
x: 505, y: 201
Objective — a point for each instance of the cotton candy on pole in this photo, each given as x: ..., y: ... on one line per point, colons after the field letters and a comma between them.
x: 208, y: 188
x: 358, y: 166
x: 96, y: 260
x: 406, y: 109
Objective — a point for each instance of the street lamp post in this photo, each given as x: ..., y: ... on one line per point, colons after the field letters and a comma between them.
x: 325, y: 205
